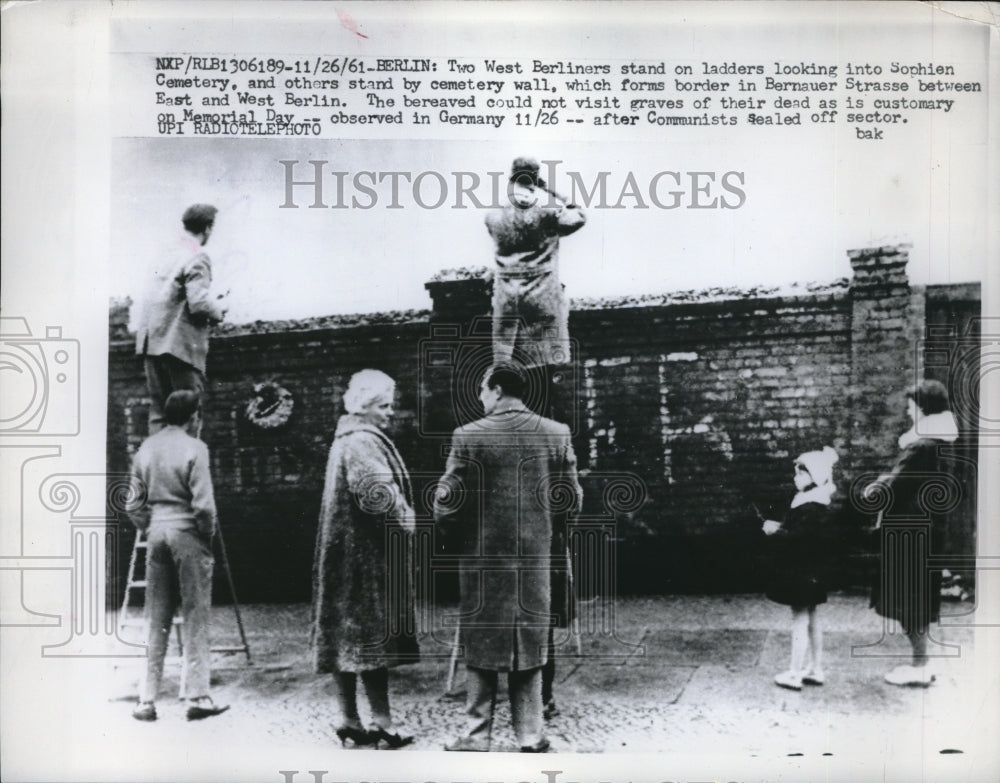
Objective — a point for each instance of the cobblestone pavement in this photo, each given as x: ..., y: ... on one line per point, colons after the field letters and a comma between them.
x: 678, y: 675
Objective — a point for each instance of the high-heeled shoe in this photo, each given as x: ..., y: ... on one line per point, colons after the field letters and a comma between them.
x: 359, y: 737
x: 392, y: 741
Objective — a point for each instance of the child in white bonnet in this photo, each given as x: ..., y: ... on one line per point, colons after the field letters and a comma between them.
x: 799, y: 548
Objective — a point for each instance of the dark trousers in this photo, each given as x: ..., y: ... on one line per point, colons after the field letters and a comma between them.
x: 166, y: 374
x: 549, y: 670
x: 178, y: 571
x: 551, y: 392
x: 525, y: 691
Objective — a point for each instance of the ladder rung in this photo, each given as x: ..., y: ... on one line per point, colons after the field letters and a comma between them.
x: 141, y: 542
x: 178, y: 620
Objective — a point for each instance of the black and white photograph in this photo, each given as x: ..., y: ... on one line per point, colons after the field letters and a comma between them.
x: 388, y: 384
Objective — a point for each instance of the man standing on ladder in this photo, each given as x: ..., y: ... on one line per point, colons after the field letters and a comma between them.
x: 177, y: 314
x: 174, y: 504
x: 530, y: 309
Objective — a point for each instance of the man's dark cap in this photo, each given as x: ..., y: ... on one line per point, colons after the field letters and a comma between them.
x: 524, y: 170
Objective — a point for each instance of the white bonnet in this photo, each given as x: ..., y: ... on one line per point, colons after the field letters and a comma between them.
x: 819, y: 464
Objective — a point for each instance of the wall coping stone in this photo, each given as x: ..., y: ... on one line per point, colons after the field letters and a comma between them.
x: 579, y: 304
x: 884, y: 251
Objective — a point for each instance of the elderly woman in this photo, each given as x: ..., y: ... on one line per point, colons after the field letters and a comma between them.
x: 363, y: 613
x: 905, y: 590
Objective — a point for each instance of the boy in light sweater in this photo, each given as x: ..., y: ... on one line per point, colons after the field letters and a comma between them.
x: 173, y: 502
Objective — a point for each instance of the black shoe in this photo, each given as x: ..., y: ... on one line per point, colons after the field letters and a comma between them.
x: 144, y: 711
x: 359, y: 737
x: 550, y: 711
x: 542, y: 746
x: 392, y: 741
x: 204, y: 707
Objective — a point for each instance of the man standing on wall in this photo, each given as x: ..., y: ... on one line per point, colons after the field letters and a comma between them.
x: 509, y: 482
x: 530, y: 309
x: 172, y: 333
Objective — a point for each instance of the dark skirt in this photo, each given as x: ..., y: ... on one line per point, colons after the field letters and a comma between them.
x: 903, y: 587
x: 797, y: 589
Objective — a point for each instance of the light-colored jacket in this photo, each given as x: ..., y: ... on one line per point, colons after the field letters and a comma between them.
x: 171, y: 483
x: 530, y: 309
x: 178, y: 309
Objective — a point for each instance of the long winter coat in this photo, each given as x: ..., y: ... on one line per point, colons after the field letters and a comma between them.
x: 510, y: 479
x: 799, y: 556
x: 904, y: 588
x: 363, y: 610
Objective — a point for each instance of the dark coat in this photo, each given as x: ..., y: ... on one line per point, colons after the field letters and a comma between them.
x: 904, y: 588
x: 510, y: 480
x: 363, y: 603
x: 799, y: 556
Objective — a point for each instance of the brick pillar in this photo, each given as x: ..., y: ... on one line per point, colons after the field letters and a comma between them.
x: 886, y: 327
x: 461, y: 296
x: 118, y: 311
x: 458, y: 350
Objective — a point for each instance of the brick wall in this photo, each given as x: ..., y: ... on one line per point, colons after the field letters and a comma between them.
x: 687, y: 410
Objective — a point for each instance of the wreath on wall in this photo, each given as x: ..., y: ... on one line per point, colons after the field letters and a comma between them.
x: 270, y: 407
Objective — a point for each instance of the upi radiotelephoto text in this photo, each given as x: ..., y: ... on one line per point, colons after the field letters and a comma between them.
x: 326, y: 96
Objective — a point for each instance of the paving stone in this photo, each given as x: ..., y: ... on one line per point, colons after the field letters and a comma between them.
x: 704, y: 684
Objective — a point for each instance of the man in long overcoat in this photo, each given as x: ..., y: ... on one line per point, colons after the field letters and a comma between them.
x: 510, y: 480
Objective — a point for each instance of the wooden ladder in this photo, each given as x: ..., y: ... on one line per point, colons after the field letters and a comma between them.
x: 136, y: 584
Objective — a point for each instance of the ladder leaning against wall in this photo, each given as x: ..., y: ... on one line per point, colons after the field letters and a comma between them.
x: 135, y: 586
